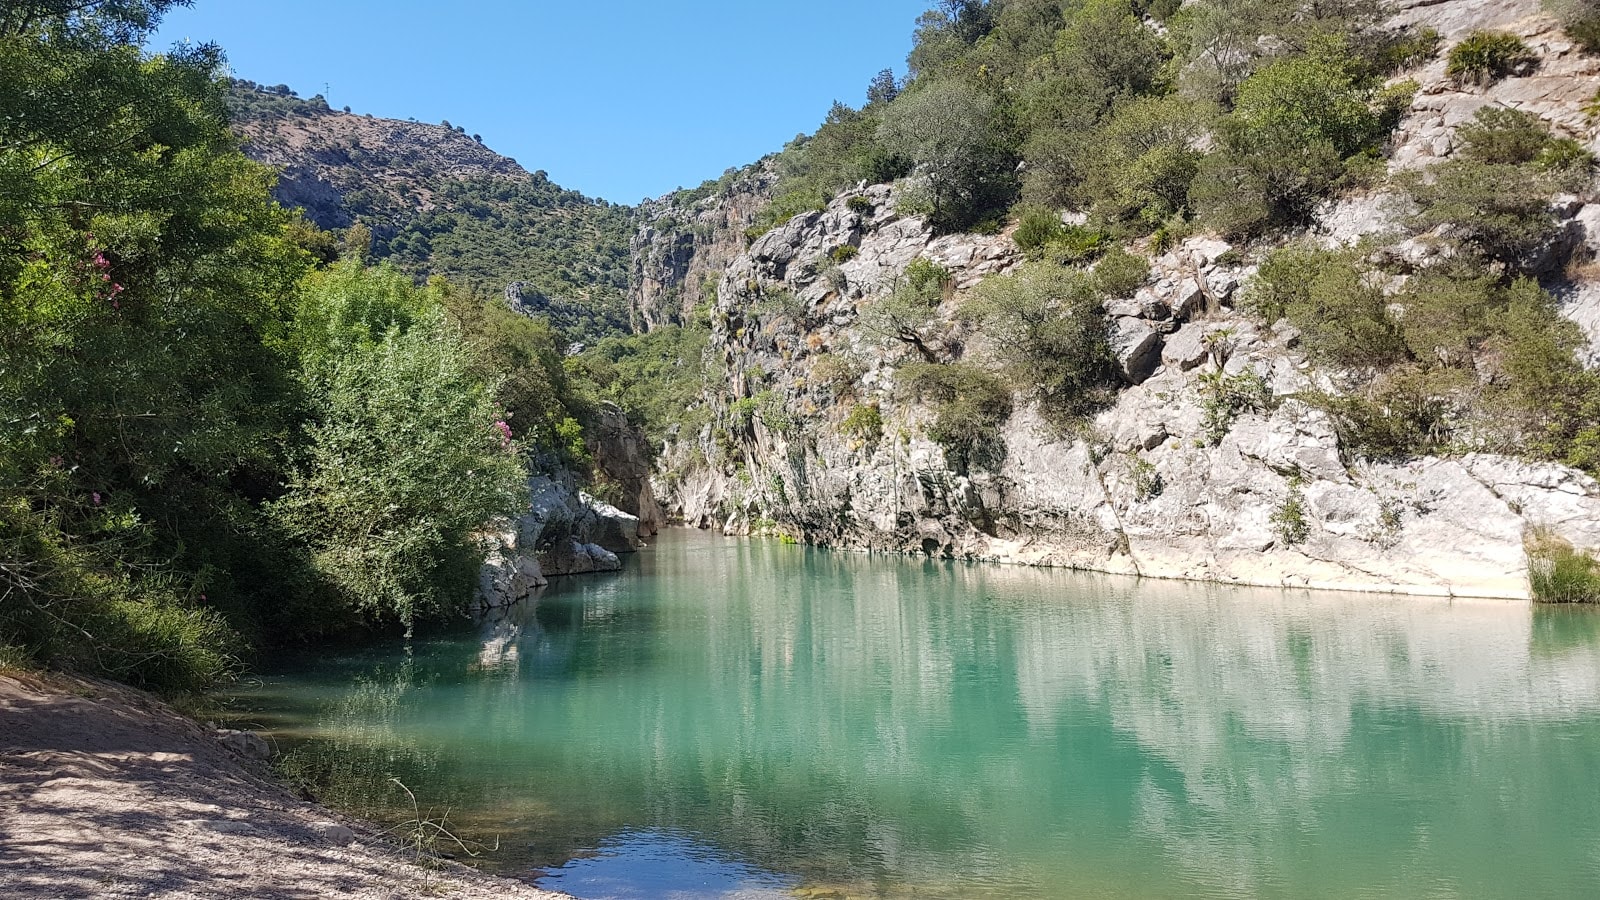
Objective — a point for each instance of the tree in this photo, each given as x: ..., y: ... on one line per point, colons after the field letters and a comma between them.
x: 947, y: 130
x: 1285, y: 145
x: 883, y: 89
x: 409, y: 455
x: 1049, y: 337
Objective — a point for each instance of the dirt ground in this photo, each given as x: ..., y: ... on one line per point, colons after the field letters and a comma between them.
x: 106, y: 792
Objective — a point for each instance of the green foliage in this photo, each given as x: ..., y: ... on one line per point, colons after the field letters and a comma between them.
x: 1120, y: 273
x: 1049, y: 337
x: 657, y: 376
x: 144, y: 406
x: 908, y: 311
x: 524, y: 359
x: 406, y: 459
x: 1559, y: 573
x: 1580, y: 19
x: 163, y: 378
x: 1224, y: 398
x: 844, y: 253
x: 1145, y: 160
x: 1338, y: 307
x: 859, y: 204
x: 1483, y: 57
x: 1147, y: 482
x: 969, y: 407
x: 1295, y: 128
x: 1458, y: 351
x: 949, y: 131
x: 1037, y: 228
x: 1289, y: 519
x: 864, y: 422
x: 1498, y: 212
x: 1504, y: 136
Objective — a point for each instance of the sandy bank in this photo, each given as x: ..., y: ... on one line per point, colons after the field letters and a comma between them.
x: 106, y: 792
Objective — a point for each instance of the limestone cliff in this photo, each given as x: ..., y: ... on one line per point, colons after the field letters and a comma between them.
x: 1160, y: 483
x: 684, y: 240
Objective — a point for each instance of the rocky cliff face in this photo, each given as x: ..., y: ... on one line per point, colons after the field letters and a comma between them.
x: 684, y: 241
x: 1167, y: 482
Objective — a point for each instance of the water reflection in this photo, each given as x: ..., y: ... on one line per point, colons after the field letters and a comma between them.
x: 883, y: 727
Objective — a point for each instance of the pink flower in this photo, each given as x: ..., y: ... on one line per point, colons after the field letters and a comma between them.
x: 105, y: 276
x: 505, y: 433
x: 95, y: 497
x: 56, y: 461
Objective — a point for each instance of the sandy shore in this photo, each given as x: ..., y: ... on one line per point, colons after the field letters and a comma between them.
x: 107, y: 792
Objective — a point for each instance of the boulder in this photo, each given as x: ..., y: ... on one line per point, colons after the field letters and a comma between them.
x: 1137, y: 346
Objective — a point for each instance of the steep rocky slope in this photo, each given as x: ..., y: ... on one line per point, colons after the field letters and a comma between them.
x: 1159, y: 484
x: 684, y: 240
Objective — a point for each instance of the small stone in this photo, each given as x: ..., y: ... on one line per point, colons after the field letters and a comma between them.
x: 247, y: 744
x: 334, y: 833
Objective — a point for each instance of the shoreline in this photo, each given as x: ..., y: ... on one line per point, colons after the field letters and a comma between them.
x: 109, y: 792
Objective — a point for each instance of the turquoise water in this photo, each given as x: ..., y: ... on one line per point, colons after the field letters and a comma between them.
x: 748, y: 719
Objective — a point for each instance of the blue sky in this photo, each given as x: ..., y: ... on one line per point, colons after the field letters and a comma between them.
x: 621, y: 99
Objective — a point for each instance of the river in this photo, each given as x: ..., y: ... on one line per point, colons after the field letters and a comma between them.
x: 748, y: 719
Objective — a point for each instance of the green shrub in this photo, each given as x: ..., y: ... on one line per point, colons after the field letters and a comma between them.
x: 1501, y: 135
x: 865, y: 422
x: 1147, y: 482
x: 1559, y: 573
x: 1402, y: 414
x: 1341, y: 312
x: 1580, y: 19
x: 908, y: 311
x: 1294, y: 129
x: 409, y: 456
x: 859, y: 204
x: 1488, y: 56
x: 1049, y: 337
x: 1500, y: 213
x: 1224, y: 398
x: 844, y: 253
x: 1289, y: 519
x: 1120, y: 273
x: 1143, y: 160
x: 969, y: 407
x: 1037, y: 227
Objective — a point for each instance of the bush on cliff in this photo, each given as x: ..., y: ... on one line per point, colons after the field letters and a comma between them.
x: 1049, y: 337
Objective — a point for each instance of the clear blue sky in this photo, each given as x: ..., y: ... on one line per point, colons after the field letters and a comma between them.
x: 621, y: 99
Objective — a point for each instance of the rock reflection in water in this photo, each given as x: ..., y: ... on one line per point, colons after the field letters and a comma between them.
x: 887, y: 726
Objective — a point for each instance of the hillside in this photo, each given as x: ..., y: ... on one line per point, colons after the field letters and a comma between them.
x: 439, y: 202
x: 1323, y: 330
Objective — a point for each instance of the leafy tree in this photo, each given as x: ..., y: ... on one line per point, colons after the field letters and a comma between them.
x: 144, y: 409
x: 1498, y: 212
x: 408, y: 457
x: 884, y: 88
x: 907, y: 313
x: 1049, y: 337
x: 1146, y: 160
x: 1328, y: 294
x: 1294, y: 126
x: 948, y: 130
x: 969, y: 407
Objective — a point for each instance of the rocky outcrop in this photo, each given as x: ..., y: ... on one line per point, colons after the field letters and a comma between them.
x: 623, y: 460
x: 1211, y: 464
x: 564, y: 532
x: 1167, y: 482
x: 1558, y: 90
x: 684, y: 240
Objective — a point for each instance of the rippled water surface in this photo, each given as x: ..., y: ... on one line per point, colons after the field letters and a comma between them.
x: 748, y: 719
